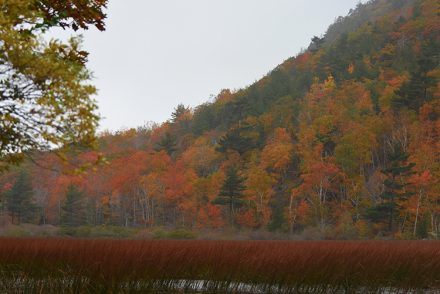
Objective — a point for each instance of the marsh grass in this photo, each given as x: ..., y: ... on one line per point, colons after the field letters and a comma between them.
x: 122, y: 266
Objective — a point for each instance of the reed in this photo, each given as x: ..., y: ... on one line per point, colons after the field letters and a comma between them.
x: 119, y: 266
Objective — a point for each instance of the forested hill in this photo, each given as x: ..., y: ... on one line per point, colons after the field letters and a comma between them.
x: 346, y: 42
x: 340, y: 141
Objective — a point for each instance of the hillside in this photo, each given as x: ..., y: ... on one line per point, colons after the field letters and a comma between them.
x: 340, y: 141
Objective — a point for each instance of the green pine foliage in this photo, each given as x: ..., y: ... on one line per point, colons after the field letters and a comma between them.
x: 19, y: 200
x: 394, y: 192
x: 74, y: 208
x: 231, y: 193
x: 167, y: 144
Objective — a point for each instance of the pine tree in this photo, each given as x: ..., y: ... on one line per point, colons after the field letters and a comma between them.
x: 394, y: 188
x: 19, y: 200
x: 74, y: 208
x: 167, y: 144
x: 178, y: 112
x: 233, y: 141
x: 414, y: 93
x: 238, y: 139
x: 231, y: 192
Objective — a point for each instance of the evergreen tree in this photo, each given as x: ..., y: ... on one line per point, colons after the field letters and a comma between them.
x: 181, y: 119
x: 74, y: 208
x: 239, y: 139
x: 231, y: 192
x: 415, y: 92
x: 394, y: 193
x: 19, y: 200
x: 316, y: 44
x: 205, y: 118
x: 178, y: 112
x: 167, y: 144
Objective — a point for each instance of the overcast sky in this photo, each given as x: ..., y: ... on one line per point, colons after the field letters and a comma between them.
x: 156, y: 54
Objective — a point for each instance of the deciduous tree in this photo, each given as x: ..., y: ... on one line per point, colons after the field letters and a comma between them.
x: 45, y: 96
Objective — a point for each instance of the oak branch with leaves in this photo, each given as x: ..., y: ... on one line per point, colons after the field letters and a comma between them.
x: 46, y: 99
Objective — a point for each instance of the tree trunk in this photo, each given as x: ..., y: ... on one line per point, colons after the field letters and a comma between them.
x: 231, y: 211
x: 417, y: 212
x: 291, y: 217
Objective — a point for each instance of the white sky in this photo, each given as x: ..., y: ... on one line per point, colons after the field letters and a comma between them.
x: 156, y: 54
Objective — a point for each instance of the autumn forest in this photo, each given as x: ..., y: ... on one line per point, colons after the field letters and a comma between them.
x: 341, y: 141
